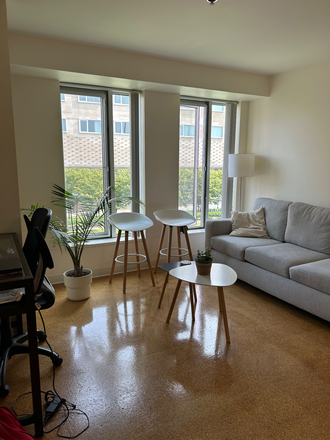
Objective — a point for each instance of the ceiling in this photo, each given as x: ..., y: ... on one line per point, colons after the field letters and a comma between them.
x: 262, y: 36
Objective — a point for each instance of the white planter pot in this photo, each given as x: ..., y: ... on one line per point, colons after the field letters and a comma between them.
x: 78, y: 288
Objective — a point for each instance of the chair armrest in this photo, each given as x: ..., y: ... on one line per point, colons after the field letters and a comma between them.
x: 216, y: 227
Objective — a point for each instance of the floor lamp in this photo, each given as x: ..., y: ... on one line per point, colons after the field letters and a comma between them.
x: 241, y: 165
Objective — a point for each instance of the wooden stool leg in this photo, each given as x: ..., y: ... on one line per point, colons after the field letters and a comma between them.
x: 220, y: 306
x: 160, y: 247
x: 223, y: 306
x: 125, y: 261
x: 147, y: 256
x: 169, y: 247
x: 163, y: 290
x: 173, y: 301
x: 137, y: 251
x: 192, y: 301
x: 115, y: 256
x: 185, y: 230
x: 179, y: 242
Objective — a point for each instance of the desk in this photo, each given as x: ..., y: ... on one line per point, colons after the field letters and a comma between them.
x: 220, y: 276
x: 25, y: 306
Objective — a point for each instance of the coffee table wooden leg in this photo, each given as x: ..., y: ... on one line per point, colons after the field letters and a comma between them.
x: 173, y: 301
x: 195, y: 296
x: 223, y: 307
x: 192, y: 301
x: 163, y: 290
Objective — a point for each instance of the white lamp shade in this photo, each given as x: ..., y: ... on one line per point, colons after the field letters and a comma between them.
x: 241, y: 165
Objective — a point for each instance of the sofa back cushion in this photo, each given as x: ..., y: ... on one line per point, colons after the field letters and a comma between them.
x: 309, y: 227
x: 276, y: 214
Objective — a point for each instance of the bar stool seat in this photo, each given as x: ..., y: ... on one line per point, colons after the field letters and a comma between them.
x: 174, y: 218
x: 180, y: 220
x: 130, y: 222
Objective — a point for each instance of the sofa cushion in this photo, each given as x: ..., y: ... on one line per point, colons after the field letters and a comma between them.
x: 280, y: 257
x: 309, y: 226
x: 249, y: 224
x: 235, y: 246
x: 315, y: 275
x: 276, y: 213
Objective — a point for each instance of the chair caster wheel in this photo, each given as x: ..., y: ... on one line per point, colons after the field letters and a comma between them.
x: 4, y: 391
x: 41, y: 336
x: 57, y: 361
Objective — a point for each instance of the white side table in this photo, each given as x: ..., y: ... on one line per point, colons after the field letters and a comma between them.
x: 220, y: 277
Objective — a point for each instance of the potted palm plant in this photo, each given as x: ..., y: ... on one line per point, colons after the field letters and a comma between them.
x: 203, y: 261
x: 83, y: 217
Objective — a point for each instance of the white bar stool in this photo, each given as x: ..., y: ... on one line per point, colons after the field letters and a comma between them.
x: 130, y: 222
x: 180, y: 220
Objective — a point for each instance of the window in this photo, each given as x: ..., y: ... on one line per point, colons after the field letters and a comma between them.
x: 89, y: 99
x: 122, y: 127
x: 62, y: 97
x: 218, y: 108
x: 93, y: 162
x: 217, y: 132
x: 204, y: 190
x: 187, y: 130
x: 89, y: 126
x: 121, y: 99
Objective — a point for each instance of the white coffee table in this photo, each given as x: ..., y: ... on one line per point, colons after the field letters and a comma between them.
x: 220, y: 277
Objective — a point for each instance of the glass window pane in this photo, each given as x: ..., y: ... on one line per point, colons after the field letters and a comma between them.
x: 63, y: 124
x: 117, y: 127
x: 93, y: 99
x: 97, y: 125
x: 126, y: 127
x: 192, y: 146
x: 216, y: 163
x: 217, y: 132
x: 189, y: 130
x: 125, y: 99
x: 217, y: 108
x: 83, y: 152
x: 83, y: 126
x: 82, y: 98
x: 122, y: 150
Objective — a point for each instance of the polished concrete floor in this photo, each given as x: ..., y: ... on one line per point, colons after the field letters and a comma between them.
x: 139, y: 378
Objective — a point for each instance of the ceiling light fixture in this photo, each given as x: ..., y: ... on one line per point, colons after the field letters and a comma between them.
x: 211, y: 1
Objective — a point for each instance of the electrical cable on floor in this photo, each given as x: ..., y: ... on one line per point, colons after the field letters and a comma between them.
x: 58, y: 403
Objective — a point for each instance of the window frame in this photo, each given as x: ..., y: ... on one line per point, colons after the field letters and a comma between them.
x: 229, y: 147
x: 88, y: 131
x: 107, y: 133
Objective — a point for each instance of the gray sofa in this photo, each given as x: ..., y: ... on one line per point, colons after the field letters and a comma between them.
x: 293, y: 264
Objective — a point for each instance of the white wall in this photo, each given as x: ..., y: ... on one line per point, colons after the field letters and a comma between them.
x: 290, y: 134
x: 40, y: 162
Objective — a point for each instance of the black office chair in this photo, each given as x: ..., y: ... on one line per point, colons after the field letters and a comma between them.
x: 43, y: 289
x: 46, y: 299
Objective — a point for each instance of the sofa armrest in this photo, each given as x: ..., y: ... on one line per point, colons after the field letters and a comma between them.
x: 216, y: 227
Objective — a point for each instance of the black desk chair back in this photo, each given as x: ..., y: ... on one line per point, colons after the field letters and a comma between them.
x: 10, y: 346
x: 40, y: 219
